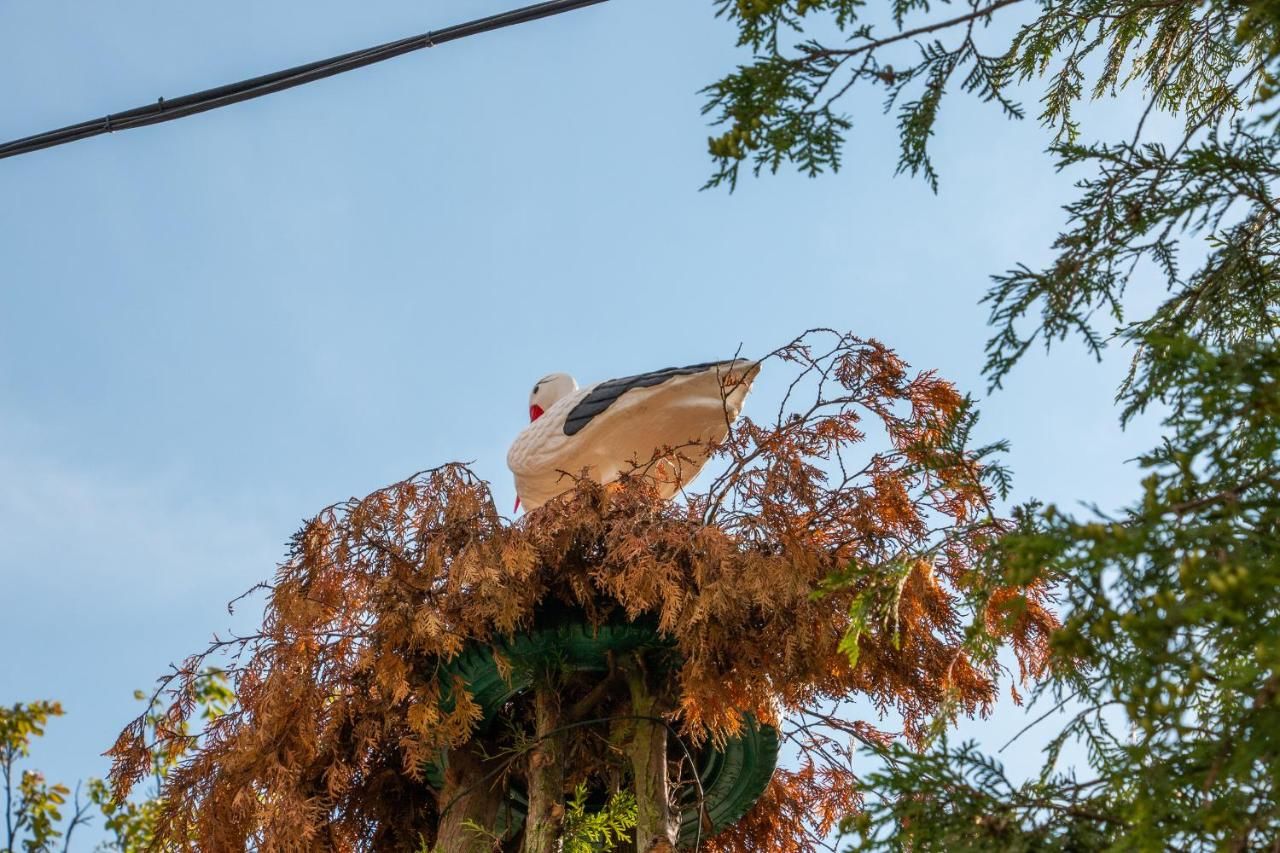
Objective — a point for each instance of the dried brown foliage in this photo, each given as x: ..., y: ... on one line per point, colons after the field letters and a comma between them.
x: 340, y: 702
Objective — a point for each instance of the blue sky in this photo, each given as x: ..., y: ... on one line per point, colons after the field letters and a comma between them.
x: 212, y: 328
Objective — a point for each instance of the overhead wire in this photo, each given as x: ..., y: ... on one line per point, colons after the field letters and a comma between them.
x: 256, y: 87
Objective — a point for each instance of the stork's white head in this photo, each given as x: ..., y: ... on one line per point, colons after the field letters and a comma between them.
x: 547, y: 391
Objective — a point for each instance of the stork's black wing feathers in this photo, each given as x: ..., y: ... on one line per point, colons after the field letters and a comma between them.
x: 603, y: 395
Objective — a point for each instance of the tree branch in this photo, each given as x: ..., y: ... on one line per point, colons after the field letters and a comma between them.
x: 876, y: 44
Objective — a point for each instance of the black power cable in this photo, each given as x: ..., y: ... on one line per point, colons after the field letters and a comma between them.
x: 210, y: 99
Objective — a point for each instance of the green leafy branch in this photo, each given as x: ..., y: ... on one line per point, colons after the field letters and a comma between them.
x: 34, y: 808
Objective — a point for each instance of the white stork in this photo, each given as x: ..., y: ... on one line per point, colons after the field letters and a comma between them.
x: 610, y: 428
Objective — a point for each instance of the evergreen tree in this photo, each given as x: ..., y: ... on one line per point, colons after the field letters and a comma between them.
x: 1169, y: 658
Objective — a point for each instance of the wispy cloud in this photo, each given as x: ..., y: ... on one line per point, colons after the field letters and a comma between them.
x: 144, y: 537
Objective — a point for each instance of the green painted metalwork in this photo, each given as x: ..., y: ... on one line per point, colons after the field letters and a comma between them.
x: 733, y: 775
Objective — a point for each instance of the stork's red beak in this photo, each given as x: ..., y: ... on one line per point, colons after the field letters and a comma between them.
x: 535, y: 412
x: 517, y: 506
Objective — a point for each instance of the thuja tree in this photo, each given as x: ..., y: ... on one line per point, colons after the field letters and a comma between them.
x: 1171, y: 603
x: 856, y: 522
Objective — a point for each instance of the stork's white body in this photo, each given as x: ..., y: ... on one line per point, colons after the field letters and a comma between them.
x: 626, y: 421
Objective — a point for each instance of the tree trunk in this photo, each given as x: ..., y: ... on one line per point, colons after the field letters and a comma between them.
x: 655, y: 828
x: 467, y: 801
x: 546, y: 776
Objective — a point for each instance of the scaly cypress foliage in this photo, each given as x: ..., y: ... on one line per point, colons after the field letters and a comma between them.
x: 1207, y: 62
x: 860, y: 518
x: 1172, y: 604
x: 1173, y: 613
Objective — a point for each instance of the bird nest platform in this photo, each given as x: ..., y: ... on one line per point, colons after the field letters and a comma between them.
x: 431, y: 675
x: 597, y: 674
